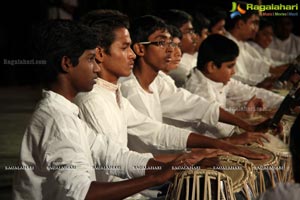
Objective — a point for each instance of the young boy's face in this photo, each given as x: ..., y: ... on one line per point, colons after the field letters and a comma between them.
x: 121, y: 58
x: 264, y: 37
x: 158, y: 57
x: 224, y: 73
x: 250, y: 27
x: 189, y: 40
x: 83, y: 75
x: 175, y: 56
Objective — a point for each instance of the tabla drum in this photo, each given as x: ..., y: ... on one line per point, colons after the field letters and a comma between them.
x: 202, y: 184
x: 240, y: 170
x: 281, y: 150
x: 267, y: 170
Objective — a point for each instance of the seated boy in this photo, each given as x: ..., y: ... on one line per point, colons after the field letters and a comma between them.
x: 154, y: 93
x: 104, y: 102
x: 59, y: 151
x: 212, y: 79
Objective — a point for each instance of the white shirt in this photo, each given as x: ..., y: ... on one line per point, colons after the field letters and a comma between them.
x: 101, y: 110
x: 231, y: 96
x: 290, y: 191
x: 57, y: 137
x: 168, y: 101
x: 250, y: 67
x: 290, y: 46
x: 272, y: 56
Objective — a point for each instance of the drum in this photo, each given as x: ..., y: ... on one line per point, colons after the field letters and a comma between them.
x: 267, y: 170
x: 240, y: 170
x: 287, y: 122
x: 281, y: 150
x: 201, y: 184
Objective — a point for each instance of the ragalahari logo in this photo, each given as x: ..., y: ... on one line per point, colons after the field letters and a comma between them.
x: 236, y: 10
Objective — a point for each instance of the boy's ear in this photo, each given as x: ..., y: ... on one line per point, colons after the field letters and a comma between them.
x: 66, y: 64
x: 138, y: 49
x: 210, y: 67
x: 240, y: 24
x: 100, y: 54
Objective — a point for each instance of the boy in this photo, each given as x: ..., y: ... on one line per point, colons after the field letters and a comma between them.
x: 59, y: 151
x: 262, y: 41
x: 251, y: 68
x: 104, y: 102
x: 153, y: 93
x: 215, y: 67
x: 189, y: 42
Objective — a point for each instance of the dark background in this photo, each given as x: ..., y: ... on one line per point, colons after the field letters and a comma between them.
x: 17, y: 18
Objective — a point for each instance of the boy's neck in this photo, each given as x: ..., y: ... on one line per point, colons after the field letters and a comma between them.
x: 145, y: 76
x: 62, y: 87
x: 235, y: 34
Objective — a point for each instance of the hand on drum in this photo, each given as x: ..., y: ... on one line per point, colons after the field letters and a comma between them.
x: 254, y: 104
x: 197, y: 155
x: 245, y: 152
x: 248, y: 138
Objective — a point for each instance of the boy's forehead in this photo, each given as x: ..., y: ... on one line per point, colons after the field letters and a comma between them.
x: 160, y: 34
x: 89, y: 52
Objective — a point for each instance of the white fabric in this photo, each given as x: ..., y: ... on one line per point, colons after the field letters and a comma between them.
x: 272, y: 56
x: 57, y: 137
x: 231, y: 96
x: 290, y: 191
x: 290, y: 46
x: 169, y: 102
x: 250, y: 66
x: 101, y: 111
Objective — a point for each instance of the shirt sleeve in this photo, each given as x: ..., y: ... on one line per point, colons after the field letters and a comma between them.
x: 180, y: 104
x: 240, y: 93
x: 154, y: 133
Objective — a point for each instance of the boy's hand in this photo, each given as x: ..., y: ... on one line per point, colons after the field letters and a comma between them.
x: 254, y: 104
x: 248, y: 138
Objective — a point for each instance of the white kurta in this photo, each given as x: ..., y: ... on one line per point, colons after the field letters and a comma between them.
x: 250, y: 67
x: 168, y: 101
x: 63, y: 152
x: 272, y: 56
x: 289, y: 46
x: 231, y: 96
x: 101, y: 110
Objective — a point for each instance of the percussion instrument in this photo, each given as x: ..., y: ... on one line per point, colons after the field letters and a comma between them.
x: 240, y: 170
x: 201, y: 184
x: 267, y: 170
x: 281, y: 150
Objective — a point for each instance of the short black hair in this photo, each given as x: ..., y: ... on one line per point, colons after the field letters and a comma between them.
x: 295, y: 148
x: 174, y: 31
x: 142, y: 27
x: 264, y: 22
x: 200, y: 22
x: 105, y: 22
x: 175, y: 17
x: 216, y: 48
x: 55, y: 39
x: 231, y: 22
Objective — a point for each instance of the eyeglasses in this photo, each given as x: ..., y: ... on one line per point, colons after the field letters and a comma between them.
x: 162, y: 44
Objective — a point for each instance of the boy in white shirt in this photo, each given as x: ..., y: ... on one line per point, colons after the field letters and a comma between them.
x: 105, y: 109
x: 251, y: 69
x: 284, y: 40
x: 212, y: 79
x: 59, y: 151
x: 154, y: 93
x: 262, y: 41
